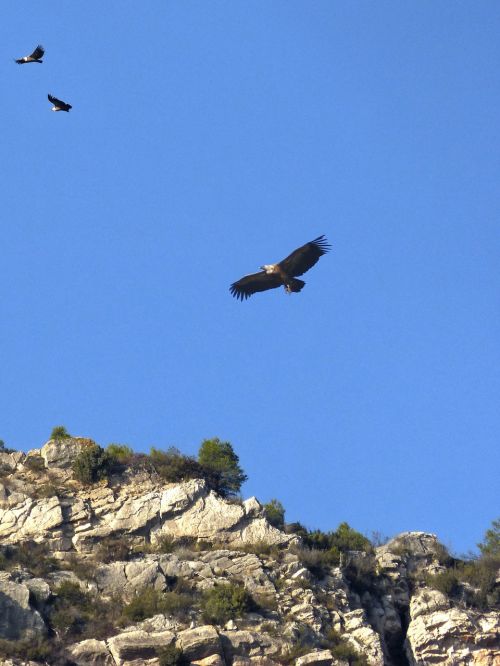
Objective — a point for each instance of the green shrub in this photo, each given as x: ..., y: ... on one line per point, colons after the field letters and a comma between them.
x: 112, y: 549
x: 34, y: 557
x: 342, y: 650
x: 82, y: 568
x: 345, y: 538
x: 322, y: 550
x: 4, y: 449
x: 342, y: 540
x: 302, y: 642
x: 295, y: 651
x: 92, y: 464
x: 225, y: 602
x: 361, y: 573
x: 5, y: 470
x: 271, y: 628
x: 317, y: 561
x: 346, y: 652
x: 46, y: 490
x: 482, y: 574
x: 222, y: 469
x: 446, y: 582
x: 27, y: 649
x: 442, y: 555
x: 265, y: 603
x: 171, y: 656
x: 173, y: 466
x: 120, y: 453
x: 35, y: 464
x: 217, y: 464
x: 59, y: 432
x: 296, y: 528
x: 261, y: 548
x: 151, y: 602
x: 76, y: 612
x: 170, y: 544
x: 275, y: 513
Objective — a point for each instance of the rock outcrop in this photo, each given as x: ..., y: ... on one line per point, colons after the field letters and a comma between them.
x: 143, y: 507
x: 133, y: 533
x: 438, y: 633
x: 18, y: 617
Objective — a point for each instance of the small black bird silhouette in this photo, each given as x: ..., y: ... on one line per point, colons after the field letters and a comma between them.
x: 58, y: 104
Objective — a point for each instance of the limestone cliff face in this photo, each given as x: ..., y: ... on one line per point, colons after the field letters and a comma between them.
x: 389, y: 617
x: 138, y: 505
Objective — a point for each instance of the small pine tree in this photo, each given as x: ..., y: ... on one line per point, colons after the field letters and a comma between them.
x: 275, y: 513
x: 92, y: 464
x: 225, y: 602
x: 221, y: 464
x: 59, y: 432
x: 491, y: 544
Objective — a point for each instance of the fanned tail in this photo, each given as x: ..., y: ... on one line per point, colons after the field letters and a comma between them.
x: 294, y: 285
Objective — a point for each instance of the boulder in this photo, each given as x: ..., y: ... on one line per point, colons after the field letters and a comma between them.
x: 318, y: 658
x: 17, y: 618
x: 212, y: 660
x: 39, y: 589
x: 248, y: 644
x: 427, y: 601
x: 10, y: 461
x: 131, y: 645
x: 129, y: 578
x: 91, y: 653
x: 61, y: 453
x: 199, y: 642
x: 415, y: 544
x: 246, y: 568
x: 179, y: 497
x: 252, y: 507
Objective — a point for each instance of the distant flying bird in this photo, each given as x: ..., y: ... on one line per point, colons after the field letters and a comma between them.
x: 283, y: 273
x: 36, y: 56
x: 58, y: 105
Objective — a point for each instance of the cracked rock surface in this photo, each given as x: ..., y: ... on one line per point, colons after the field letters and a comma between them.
x: 299, y: 614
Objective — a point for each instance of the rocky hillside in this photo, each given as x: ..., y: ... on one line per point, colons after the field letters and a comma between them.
x: 132, y: 570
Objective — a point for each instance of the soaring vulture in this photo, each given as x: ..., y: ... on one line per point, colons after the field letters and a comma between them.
x: 36, y: 56
x: 58, y: 105
x: 283, y: 273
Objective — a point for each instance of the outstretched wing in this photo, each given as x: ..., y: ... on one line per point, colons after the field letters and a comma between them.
x: 34, y: 57
x: 250, y: 284
x: 38, y: 52
x: 59, y: 103
x: 304, y: 258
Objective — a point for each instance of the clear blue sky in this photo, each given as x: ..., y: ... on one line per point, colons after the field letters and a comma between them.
x: 210, y: 137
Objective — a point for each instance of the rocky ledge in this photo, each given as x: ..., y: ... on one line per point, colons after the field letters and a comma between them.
x: 132, y: 570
